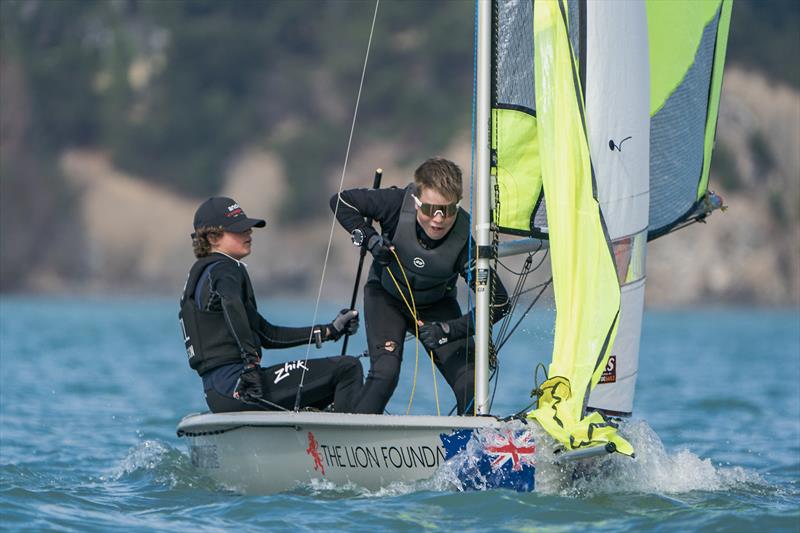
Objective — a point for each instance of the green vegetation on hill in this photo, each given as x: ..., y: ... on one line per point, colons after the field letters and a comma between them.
x: 765, y: 36
x: 175, y: 89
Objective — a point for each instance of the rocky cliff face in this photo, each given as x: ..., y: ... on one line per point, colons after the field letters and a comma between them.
x: 136, y: 234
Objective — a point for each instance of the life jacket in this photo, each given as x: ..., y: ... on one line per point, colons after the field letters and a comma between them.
x: 207, y: 338
x: 432, y: 273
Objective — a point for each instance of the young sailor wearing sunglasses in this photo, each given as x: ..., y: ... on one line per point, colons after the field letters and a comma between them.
x: 423, y: 225
x: 224, y: 332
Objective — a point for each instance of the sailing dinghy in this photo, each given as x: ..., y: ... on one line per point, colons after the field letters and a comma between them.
x: 595, y: 124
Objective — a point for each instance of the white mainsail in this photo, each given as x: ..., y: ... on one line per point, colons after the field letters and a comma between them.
x: 617, y: 96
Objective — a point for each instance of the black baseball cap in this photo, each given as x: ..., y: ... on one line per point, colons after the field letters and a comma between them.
x: 225, y: 212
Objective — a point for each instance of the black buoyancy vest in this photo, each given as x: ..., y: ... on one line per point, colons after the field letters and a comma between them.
x: 432, y: 273
x: 208, y: 340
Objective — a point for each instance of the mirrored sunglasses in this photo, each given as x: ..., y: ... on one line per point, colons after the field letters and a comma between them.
x: 431, y: 210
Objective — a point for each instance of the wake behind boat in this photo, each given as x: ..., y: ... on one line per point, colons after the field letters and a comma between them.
x: 578, y: 108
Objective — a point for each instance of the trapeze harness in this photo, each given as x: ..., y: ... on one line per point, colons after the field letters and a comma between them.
x: 432, y: 273
x: 208, y: 341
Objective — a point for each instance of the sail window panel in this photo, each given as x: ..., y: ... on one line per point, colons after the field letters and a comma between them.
x: 630, y: 255
x: 677, y: 138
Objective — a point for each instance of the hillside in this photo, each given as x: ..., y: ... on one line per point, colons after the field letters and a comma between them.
x: 116, y: 119
x: 750, y: 252
x: 747, y: 254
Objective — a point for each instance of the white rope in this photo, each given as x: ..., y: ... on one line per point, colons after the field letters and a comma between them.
x: 336, y: 209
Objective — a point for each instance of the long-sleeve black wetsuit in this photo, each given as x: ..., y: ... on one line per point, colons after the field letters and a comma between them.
x: 224, y: 287
x: 387, y: 318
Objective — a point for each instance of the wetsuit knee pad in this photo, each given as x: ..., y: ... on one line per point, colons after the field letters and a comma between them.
x: 386, y: 352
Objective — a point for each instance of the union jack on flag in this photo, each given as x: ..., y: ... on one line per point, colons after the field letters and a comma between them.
x: 497, y: 459
x: 519, y: 449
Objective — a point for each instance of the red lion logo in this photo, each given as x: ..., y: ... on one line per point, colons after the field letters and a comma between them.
x: 313, y: 451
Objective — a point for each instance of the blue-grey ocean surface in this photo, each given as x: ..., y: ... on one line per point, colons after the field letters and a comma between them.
x: 91, y: 392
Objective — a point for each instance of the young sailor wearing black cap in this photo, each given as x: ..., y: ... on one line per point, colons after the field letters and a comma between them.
x: 423, y: 225
x: 224, y: 332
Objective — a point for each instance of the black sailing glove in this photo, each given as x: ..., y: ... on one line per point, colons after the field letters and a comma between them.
x: 345, y: 322
x: 248, y: 386
x: 381, y: 249
x: 436, y: 334
x: 251, y: 359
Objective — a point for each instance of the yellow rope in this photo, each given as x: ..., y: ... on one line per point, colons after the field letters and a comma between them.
x: 413, y: 310
x: 416, y: 334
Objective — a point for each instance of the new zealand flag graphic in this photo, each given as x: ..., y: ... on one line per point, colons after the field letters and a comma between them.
x: 488, y: 458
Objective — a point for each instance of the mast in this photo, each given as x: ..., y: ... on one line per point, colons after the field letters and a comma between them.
x: 482, y: 219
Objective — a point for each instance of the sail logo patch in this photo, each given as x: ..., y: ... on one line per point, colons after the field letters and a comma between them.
x: 618, y: 147
x: 419, y: 263
x: 610, y: 372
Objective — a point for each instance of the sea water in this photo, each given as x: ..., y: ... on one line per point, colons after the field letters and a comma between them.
x: 91, y: 392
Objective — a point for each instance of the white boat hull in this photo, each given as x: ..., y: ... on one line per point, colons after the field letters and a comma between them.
x: 268, y: 452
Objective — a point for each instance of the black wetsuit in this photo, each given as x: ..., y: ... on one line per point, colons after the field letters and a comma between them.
x: 387, y: 318
x: 222, y: 328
